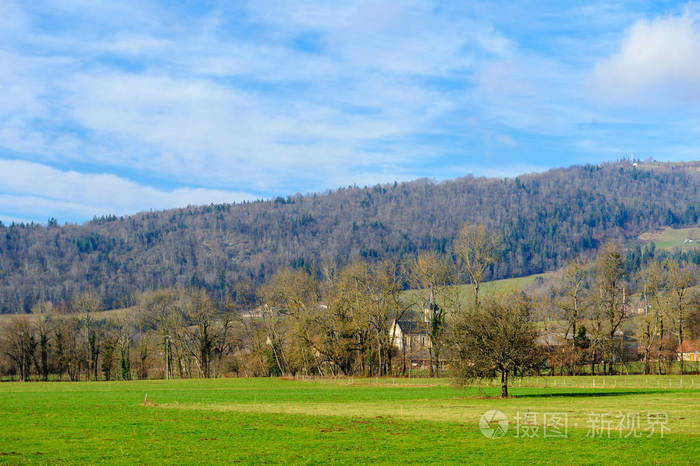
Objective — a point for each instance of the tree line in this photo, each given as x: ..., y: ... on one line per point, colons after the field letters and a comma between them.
x: 340, y: 321
x: 602, y: 306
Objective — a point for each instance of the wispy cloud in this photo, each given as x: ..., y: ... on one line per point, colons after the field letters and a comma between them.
x: 200, y: 102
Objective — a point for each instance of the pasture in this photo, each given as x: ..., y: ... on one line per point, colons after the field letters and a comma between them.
x: 465, y: 293
x: 409, y: 297
x: 352, y: 421
x: 674, y: 238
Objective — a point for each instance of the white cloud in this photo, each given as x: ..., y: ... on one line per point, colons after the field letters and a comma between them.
x: 388, y: 37
x: 658, y: 63
x: 222, y: 96
x: 528, y: 92
x: 196, y: 130
x: 135, y: 45
x: 39, y: 191
x: 295, y: 119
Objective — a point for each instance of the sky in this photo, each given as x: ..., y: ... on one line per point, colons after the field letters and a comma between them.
x: 124, y: 106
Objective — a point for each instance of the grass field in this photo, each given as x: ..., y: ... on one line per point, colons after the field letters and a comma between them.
x: 670, y: 238
x: 112, y: 314
x: 350, y: 421
x: 466, y: 292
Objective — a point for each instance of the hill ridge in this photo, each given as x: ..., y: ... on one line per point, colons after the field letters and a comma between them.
x: 544, y: 218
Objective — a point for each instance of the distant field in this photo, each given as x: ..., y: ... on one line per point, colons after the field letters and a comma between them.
x: 603, y: 420
x: 466, y: 292
x: 670, y: 238
x: 689, y: 166
x: 112, y: 314
x: 417, y: 296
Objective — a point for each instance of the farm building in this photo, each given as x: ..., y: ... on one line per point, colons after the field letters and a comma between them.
x: 689, y: 350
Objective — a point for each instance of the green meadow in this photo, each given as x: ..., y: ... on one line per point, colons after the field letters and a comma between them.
x: 563, y: 420
x: 410, y: 297
x: 465, y: 293
x: 674, y: 238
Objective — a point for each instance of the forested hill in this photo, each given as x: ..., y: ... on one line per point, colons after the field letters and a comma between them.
x: 544, y: 219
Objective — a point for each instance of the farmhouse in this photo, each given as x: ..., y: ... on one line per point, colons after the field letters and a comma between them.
x: 551, y: 340
x: 689, y: 350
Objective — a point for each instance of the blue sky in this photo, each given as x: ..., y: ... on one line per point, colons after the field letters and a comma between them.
x: 119, y: 107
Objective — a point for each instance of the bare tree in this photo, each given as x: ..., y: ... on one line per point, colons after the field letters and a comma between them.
x: 195, y: 335
x: 386, y: 308
x: 497, y: 339
x: 109, y: 353
x: 612, y: 298
x: 347, y: 336
x: 357, y: 328
x: 652, y: 299
x: 295, y: 295
x: 19, y: 342
x: 160, y: 307
x: 573, y: 300
x: 679, y: 281
x: 477, y: 247
x: 42, y: 311
x: 86, y: 304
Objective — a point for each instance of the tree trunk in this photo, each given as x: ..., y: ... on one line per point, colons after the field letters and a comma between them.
x: 44, y: 355
x: 504, y: 384
x: 680, y: 344
x: 430, y: 352
x: 403, y: 347
x: 437, y: 362
x: 646, y: 361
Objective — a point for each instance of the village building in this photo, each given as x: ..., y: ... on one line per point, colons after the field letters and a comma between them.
x: 689, y: 350
x: 411, y: 338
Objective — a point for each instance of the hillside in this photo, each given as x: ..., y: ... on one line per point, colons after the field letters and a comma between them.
x: 544, y: 220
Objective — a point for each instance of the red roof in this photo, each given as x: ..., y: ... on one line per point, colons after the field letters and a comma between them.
x: 689, y: 346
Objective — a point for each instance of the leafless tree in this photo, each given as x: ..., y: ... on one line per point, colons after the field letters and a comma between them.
x: 477, y: 247
x: 496, y: 339
x: 612, y: 297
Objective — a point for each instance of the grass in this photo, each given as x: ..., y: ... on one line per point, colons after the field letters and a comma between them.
x: 670, y: 238
x: 466, y: 292
x: 109, y: 315
x: 341, y: 421
x: 411, y: 296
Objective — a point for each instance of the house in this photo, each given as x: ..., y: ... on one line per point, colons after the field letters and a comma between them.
x: 626, y: 346
x: 690, y: 350
x: 410, y: 335
x: 551, y: 340
x: 411, y: 338
x: 412, y: 342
